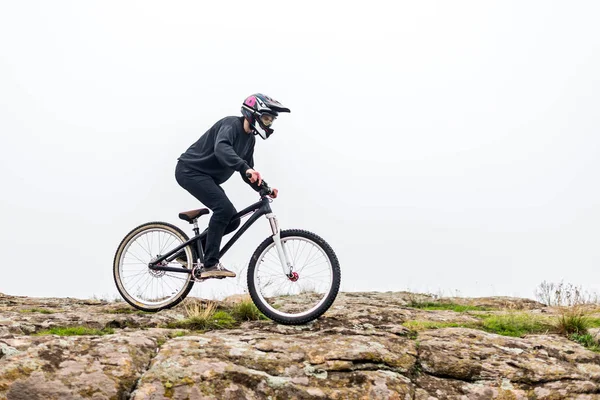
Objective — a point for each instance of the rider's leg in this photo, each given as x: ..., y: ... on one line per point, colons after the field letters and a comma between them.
x: 204, y: 188
x: 233, y: 225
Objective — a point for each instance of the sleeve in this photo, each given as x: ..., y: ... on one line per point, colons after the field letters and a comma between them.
x: 243, y: 173
x: 224, y: 150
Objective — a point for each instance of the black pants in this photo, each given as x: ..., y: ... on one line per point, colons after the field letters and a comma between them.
x: 204, y: 188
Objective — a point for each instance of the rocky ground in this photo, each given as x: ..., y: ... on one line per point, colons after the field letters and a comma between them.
x: 367, y: 346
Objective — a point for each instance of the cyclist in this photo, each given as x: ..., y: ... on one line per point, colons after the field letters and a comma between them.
x: 228, y: 146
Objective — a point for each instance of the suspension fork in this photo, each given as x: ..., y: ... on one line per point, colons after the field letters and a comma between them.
x: 284, y: 256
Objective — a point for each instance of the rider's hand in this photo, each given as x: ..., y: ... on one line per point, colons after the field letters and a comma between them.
x: 273, y: 194
x: 255, y: 176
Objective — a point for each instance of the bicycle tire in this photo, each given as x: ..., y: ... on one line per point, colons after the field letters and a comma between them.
x: 117, y: 263
x: 269, y: 311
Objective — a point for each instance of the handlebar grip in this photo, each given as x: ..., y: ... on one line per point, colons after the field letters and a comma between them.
x: 264, y: 186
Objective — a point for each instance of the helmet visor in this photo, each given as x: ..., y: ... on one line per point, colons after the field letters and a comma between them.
x: 267, y: 120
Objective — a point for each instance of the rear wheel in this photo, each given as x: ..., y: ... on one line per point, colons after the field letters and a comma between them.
x: 304, y: 294
x: 146, y: 289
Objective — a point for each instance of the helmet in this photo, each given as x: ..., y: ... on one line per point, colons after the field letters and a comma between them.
x: 261, y: 111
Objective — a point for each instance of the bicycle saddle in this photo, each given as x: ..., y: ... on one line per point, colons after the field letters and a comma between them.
x: 190, y: 216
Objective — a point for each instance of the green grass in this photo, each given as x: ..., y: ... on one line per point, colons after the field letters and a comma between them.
x: 586, y: 340
x: 512, y: 324
x: 571, y: 322
x: 37, y: 310
x: 216, y: 320
x: 204, y: 316
x: 593, y: 322
x: 75, y: 331
x: 416, y: 325
x: 517, y: 324
x: 434, y: 306
x: 246, y: 311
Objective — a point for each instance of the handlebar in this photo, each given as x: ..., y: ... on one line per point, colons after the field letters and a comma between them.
x: 265, y: 190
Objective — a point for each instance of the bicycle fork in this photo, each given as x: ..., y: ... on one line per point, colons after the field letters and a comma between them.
x: 284, y: 257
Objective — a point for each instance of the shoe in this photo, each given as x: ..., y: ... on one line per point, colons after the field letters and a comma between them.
x: 216, y: 271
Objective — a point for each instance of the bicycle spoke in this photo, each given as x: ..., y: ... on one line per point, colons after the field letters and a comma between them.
x: 312, y: 265
x: 160, y: 249
x: 149, y: 246
x: 136, y: 257
x: 167, y: 246
x: 275, y: 269
x: 145, y: 282
x: 312, y: 259
x: 134, y: 274
x: 312, y: 275
x: 273, y: 258
x: 295, y: 250
x: 145, y: 250
x: 301, y: 251
x: 140, y: 278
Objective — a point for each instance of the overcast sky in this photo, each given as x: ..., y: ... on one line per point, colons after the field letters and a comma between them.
x: 437, y: 146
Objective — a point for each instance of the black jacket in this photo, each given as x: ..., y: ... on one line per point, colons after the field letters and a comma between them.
x: 222, y: 150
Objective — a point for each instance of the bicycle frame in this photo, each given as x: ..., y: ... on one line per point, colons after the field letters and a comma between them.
x: 257, y: 209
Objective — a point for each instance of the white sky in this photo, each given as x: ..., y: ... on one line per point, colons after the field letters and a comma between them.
x: 437, y: 146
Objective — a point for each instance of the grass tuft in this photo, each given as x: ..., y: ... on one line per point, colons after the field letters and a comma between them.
x: 75, y: 331
x: 246, y: 311
x: 204, y: 317
x: 572, y: 320
x: 218, y: 320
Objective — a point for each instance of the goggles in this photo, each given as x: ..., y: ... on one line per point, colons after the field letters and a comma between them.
x: 267, y: 120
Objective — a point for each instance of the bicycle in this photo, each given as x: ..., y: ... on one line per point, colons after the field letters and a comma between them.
x: 293, y: 276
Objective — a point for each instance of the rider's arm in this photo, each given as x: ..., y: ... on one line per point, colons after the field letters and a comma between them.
x: 225, y: 153
x: 245, y: 178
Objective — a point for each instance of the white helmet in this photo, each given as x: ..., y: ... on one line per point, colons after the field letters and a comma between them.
x: 257, y: 109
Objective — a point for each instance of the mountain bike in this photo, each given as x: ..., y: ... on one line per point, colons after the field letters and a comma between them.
x: 293, y: 276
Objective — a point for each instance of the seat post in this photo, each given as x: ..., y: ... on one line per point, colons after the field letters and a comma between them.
x: 200, y: 250
x: 196, y: 229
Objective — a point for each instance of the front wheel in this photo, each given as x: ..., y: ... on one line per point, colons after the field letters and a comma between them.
x: 302, y: 295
